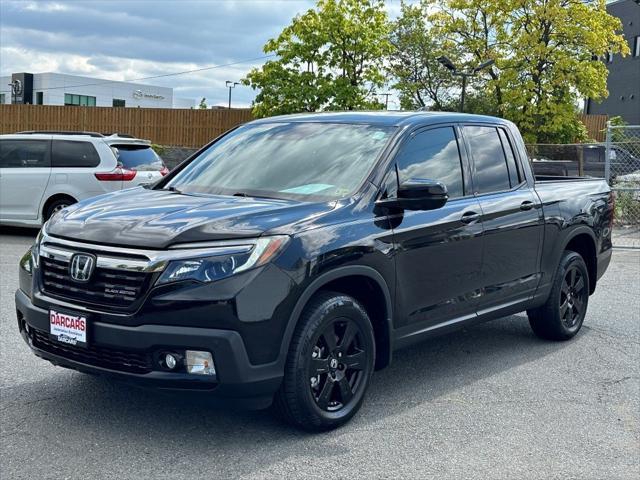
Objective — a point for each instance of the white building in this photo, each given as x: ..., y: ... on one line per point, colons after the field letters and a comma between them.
x: 60, y: 89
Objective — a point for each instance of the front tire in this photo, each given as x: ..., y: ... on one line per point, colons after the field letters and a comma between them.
x: 561, y: 317
x: 329, y: 364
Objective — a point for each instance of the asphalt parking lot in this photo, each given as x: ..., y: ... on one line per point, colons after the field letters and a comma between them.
x: 490, y: 402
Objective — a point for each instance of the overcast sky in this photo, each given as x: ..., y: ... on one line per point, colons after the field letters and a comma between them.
x: 126, y: 40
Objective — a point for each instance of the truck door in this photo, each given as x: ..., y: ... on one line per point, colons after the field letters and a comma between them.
x: 438, y: 252
x: 511, y: 217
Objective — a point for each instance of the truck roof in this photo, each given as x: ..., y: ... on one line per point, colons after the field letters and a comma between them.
x: 384, y: 117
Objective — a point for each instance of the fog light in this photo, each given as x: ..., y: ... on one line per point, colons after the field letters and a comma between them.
x: 170, y: 361
x: 199, y: 363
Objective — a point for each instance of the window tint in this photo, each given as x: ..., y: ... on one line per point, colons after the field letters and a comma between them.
x: 491, y: 173
x: 514, y: 173
x: 24, y: 153
x: 137, y: 157
x: 67, y: 153
x: 433, y: 154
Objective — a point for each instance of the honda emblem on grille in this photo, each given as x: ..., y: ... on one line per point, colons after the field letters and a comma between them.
x: 81, y: 267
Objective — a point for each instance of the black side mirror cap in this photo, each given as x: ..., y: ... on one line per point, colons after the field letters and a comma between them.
x: 418, y: 194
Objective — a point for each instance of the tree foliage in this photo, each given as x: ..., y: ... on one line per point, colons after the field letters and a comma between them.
x: 546, y: 53
x: 419, y: 78
x: 329, y: 58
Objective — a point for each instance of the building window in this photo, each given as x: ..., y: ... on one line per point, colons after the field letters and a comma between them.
x: 39, y: 98
x: 636, y: 48
x: 82, y: 100
x: 1, y: 98
x: 117, y: 102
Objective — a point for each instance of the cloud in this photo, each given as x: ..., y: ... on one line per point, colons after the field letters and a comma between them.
x: 123, y: 40
x: 119, y: 40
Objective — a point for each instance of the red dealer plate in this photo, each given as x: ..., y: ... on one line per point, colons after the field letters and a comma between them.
x: 68, y: 328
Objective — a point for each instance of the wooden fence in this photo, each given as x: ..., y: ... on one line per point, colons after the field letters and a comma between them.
x: 596, y: 125
x: 164, y: 126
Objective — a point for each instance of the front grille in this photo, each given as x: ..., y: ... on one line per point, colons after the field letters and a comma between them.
x: 121, y: 360
x: 107, y: 287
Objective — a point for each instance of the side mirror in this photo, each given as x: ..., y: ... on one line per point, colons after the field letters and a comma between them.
x: 418, y: 194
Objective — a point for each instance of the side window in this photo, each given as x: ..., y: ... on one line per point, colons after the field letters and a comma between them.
x: 514, y: 172
x: 433, y: 154
x: 24, y: 153
x: 68, y: 153
x: 491, y: 172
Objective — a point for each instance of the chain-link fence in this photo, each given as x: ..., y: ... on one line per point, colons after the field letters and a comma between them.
x: 622, y: 169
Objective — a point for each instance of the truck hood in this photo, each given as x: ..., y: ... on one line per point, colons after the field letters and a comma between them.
x: 156, y: 219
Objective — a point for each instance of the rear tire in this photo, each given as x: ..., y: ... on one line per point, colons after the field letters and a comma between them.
x: 56, y: 205
x: 329, y: 364
x: 562, y: 315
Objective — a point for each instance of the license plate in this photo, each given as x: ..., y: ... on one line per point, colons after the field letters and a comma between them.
x: 68, y: 328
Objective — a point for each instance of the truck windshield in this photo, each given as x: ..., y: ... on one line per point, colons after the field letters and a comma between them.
x: 296, y: 160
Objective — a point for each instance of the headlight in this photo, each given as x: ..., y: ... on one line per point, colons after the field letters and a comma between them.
x: 213, y: 267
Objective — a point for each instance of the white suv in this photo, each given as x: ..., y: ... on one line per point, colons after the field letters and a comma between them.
x: 42, y: 172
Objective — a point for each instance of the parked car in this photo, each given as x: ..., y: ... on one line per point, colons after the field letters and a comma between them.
x: 622, y: 162
x: 556, y: 168
x: 286, y: 261
x: 43, y: 172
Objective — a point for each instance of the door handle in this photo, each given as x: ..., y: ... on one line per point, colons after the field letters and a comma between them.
x: 526, y: 205
x: 470, y: 217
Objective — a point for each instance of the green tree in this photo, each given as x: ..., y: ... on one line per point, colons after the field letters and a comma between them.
x: 203, y: 104
x: 419, y: 79
x: 329, y: 58
x: 546, y: 57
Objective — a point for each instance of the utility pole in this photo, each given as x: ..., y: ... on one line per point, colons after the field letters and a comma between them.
x: 231, y: 85
x: 454, y: 71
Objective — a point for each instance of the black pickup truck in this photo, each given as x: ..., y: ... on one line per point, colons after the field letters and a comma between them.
x: 286, y: 260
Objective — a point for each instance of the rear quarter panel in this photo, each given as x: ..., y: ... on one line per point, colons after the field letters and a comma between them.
x: 573, y: 207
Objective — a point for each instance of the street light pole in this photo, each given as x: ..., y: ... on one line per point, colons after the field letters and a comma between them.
x: 386, y: 99
x: 454, y: 71
x: 230, y: 85
x: 464, y: 89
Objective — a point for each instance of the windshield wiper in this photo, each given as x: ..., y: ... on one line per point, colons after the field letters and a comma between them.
x: 245, y: 195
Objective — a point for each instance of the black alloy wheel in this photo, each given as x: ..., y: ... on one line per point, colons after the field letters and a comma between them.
x: 337, y: 364
x: 573, y: 297
x: 562, y: 315
x: 329, y: 366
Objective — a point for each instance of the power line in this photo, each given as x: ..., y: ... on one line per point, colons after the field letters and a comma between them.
x: 106, y: 82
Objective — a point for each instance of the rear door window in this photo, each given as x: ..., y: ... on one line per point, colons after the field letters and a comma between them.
x: 514, y: 173
x: 68, y: 153
x: 24, y: 153
x: 491, y: 171
x: 138, y: 157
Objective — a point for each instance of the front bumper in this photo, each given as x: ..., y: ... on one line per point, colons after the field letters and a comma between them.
x: 236, y: 377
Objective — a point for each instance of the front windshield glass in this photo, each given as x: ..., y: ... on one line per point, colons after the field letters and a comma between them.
x: 297, y: 160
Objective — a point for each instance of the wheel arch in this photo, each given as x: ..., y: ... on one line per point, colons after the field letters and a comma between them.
x: 366, y: 285
x: 53, y: 198
x: 582, y: 240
